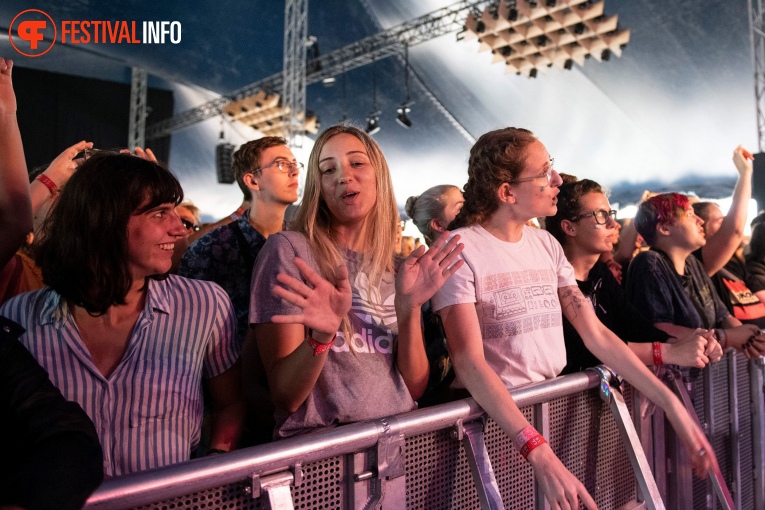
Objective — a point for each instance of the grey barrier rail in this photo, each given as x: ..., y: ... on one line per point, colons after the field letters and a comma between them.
x: 727, y: 398
x: 447, y: 456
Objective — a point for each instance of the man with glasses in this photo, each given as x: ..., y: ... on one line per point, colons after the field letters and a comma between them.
x: 227, y: 254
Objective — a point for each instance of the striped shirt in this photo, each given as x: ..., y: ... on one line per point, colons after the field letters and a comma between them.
x: 148, y: 412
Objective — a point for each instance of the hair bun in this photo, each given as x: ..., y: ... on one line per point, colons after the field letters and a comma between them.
x: 409, y: 206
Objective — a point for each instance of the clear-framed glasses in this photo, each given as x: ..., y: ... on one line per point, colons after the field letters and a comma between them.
x: 547, y: 174
x: 190, y: 226
x: 601, y: 216
x: 284, y: 166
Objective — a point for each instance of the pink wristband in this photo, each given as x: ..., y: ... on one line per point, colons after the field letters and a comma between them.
x: 528, y: 439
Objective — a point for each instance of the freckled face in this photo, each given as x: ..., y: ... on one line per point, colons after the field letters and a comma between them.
x: 151, y: 237
x: 536, y: 196
x: 587, y: 233
x: 348, y: 179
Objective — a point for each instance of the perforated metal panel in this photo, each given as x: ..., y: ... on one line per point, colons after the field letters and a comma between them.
x: 585, y: 437
x: 437, y: 473
x: 322, y: 488
x: 745, y: 433
x: 514, y: 475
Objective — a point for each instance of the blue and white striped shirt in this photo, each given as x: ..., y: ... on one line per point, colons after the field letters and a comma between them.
x: 148, y: 412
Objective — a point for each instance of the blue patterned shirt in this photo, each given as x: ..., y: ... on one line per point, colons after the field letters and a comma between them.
x: 217, y: 257
x: 148, y: 412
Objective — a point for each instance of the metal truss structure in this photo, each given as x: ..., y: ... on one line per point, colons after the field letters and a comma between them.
x: 293, y: 75
x: 757, y: 34
x: 384, y: 44
x: 138, y: 93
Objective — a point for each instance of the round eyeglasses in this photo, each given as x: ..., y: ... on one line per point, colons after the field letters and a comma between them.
x: 284, y: 166
x: 547, y: 174
x: 601, y: 216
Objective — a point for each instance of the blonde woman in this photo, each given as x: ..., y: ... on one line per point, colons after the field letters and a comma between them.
x: 336, y: 317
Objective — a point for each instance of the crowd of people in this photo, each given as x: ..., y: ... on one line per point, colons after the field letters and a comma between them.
x: 164, y: 339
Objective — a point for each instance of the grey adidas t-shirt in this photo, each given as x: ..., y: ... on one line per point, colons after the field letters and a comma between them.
x: 355, y: 384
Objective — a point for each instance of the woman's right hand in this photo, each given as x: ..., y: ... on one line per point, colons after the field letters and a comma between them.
x: 562, y: 489
x: 689, y: 351
x: 323, y: 304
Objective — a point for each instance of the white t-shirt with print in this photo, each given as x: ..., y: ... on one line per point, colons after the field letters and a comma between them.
x: 515, y: 290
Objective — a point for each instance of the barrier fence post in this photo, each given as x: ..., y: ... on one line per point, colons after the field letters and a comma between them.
x: 735, y: 431
x: 471, y: 436
x: 756, y: 368
x: 611, y: 394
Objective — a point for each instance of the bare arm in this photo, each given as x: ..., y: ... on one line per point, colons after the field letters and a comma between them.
x: 722, y: 245
x: 609, y: 348
x: 15, y: 205
x: 227, y: 408
x: 466, y: 350
x: 418, y: 279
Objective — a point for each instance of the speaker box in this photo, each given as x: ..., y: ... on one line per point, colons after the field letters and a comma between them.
x: 224, y: 156
x: 758, y: 180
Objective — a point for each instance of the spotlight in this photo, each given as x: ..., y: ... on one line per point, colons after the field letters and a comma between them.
x: 373, y: 122
x: 507, y: 51
x: 533, y: 73
x: 480, y: 27
x: 328, y: 82
x: 512, y: 15
x: 550, y: 3
x: 606, y: 55
x: 542, y: 40
x: 568, y: 64
x: 579, y: 28
x: 401, y: 115
x: 533, y: 4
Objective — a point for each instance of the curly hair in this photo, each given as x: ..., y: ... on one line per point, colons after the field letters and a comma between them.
x: 497, y: 157
x: 664, y: 208
x: 571, y: 193
x: 247, y: 159
x: 83, y: 253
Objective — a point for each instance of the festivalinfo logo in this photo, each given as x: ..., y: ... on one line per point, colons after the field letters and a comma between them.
x: 34, y: 32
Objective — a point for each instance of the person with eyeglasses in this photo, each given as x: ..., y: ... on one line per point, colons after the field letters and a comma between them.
x: 502, y: 310
x: 189, y: 215
x: 267, y: 169
x: 586, y: 227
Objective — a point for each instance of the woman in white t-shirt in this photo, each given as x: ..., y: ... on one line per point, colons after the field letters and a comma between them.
x: 502, y: 309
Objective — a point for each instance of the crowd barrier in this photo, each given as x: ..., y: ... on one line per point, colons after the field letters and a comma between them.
x: 451, y: 456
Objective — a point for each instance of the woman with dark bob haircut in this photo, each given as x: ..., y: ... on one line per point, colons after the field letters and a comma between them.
x: 502, y: 309
x: 84, y: 250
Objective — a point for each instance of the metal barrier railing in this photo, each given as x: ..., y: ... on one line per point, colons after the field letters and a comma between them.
x: 452, y: 456
x: 440, y: 457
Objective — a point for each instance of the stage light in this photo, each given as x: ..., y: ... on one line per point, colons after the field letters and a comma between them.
x: 373, y: 122
x: 402, y: 116
x: 568, y: 64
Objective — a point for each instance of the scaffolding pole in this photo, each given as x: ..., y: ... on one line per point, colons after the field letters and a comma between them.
x: 138, y: 93
x: 757, y: 35
x: 293, y: 75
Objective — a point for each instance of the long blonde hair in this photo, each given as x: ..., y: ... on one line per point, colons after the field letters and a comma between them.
x: 315, y: 220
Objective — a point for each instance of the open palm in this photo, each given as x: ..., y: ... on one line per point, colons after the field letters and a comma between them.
x: 424, y: 272
x: 323, y: 304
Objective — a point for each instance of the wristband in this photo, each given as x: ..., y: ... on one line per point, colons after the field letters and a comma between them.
x: 657, y: 361
x: 527, y: 440
x: 48, y: 183
x: 319, y: 347
x: 236, y: 214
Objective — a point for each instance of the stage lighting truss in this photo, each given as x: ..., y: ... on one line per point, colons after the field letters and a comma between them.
x: 264, y: 111
x: 531, y: 36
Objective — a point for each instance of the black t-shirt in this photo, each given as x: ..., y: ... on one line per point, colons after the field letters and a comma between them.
x: 614, y: 311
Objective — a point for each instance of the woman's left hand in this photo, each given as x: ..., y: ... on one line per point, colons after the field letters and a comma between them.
x: 424, y: 272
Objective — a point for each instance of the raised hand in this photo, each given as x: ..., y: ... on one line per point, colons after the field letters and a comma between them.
x: 560, y: 487
x: 424, y: 272
x: 323, y: 304
x: 147, y: 154
x: 65, y: 164
x: 742, y: 158
x: 7, y: 96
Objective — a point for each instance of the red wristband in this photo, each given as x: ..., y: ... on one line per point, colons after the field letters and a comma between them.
x: 528, y: 439
x: 657, y: 361
x: 48, y: 183
x: 319, y: 347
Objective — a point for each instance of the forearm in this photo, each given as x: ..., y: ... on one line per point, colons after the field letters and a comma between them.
x: 721, y: 246
x: 15, y: 208
x: 411, y: 359
x: 226, y: 426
